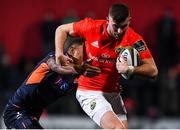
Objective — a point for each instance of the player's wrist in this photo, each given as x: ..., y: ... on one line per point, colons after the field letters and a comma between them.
x: 58, y: 55
x: 130, y: 70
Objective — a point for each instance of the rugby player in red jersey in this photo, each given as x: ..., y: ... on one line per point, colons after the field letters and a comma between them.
x: 99, y: 96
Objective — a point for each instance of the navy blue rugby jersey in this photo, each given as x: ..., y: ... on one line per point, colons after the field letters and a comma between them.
x: 40, y: 89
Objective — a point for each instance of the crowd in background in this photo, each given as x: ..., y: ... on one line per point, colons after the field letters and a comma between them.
x: 141, y: 96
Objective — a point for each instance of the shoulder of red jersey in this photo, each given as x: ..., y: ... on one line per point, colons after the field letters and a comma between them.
x: 88, y: 24
x: 135, y: 40
x: 92, y: 21
x: 132, y: 36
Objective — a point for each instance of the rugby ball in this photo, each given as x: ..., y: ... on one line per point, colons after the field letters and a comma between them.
x: 131, y: 55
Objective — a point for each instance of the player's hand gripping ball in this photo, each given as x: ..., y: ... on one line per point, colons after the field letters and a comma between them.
x: 127, y: 59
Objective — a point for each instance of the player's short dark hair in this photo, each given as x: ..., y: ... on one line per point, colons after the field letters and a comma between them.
x: 119, y: 12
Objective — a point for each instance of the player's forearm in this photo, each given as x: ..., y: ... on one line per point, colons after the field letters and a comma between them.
x: 147, y: 70
x: 65, y: 70
x: 60, y: 38
x: 60, y: 69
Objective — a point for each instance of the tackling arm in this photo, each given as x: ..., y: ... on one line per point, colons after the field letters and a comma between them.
x: 85, y: 69
x: 60, y: 69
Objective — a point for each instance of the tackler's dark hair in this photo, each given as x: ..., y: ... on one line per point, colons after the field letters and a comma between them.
x: 77, y: 40
x: 73, y: 40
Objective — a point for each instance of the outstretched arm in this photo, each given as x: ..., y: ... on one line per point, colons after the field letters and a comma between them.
x: 60, y: 69
x: 86, y: 69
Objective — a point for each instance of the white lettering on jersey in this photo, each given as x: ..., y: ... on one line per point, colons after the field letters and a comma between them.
x: 105, y: 58
x: 105, y: 55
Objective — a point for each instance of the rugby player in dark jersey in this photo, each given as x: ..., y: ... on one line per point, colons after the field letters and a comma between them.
x: 47, y: 82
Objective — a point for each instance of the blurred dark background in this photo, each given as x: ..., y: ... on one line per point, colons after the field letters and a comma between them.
x: 27, y: 30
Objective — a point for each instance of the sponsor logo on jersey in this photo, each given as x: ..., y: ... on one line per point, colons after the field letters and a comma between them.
x: 105, y: 55
x: 139, y: 46
x: 95, y: 44
x: 105, y: 58
x: 93, y: 104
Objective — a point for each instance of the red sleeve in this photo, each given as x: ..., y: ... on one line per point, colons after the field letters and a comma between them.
x: 138, y: 42
x: 82, y: 27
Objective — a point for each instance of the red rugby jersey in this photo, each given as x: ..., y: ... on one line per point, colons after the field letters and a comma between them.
x: 101, y: 48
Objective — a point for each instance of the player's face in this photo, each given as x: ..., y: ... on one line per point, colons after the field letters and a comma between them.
x: 117, y: 30
x: 76, y: 53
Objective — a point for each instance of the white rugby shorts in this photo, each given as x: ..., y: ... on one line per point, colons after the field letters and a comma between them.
x: 96, y: 104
